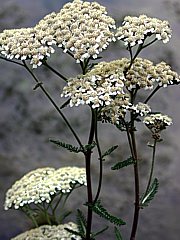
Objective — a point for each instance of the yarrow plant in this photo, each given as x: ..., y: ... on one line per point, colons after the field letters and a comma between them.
x: 110, y: 90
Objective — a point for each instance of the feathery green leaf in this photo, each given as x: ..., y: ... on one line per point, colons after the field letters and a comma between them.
x: 122, y: 164
x: 149, y: 196
x: 109, y: 151
x: 117, y: 234
x: 89, y: 146
x: 69, y: 147
x: 102, y: 212
x: 81, y: 222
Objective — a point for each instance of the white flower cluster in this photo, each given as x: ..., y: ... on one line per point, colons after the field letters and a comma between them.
x: 98, y: 87
x: 165, y: 76
x: 144, y: 74
x: 39, y: 185
x: 23, y: 44
x: 157, y: 122
x: 134, y: 30
x: 48, y: 232
x: 141, y: 109
x: 83, y: 28
x: 141, y: 74
x: 116, y: 110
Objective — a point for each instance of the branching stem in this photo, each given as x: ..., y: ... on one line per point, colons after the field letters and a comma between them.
x: 55, y: 71
x: 54, y: 104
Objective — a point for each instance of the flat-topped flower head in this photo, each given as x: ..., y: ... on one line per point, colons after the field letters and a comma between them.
x: 48, y: 232
x: 41, y: 184
x: 99, y: 86
x: 65, y: 179
x: 83, y: 28
x: 165, y: 76
x: 23, y: 44
x: 157, y: 122
x: 135, y: 30
x: 140, y: 108
x: 141, y: 74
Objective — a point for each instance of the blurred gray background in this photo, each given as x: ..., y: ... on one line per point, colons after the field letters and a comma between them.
x: 27, y: 121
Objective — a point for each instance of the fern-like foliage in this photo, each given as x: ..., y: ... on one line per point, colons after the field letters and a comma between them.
x: 149, y: 196
x: 117, y: 234
x: 89, y: 146
x: 69, y: 147
x: 124, y: 163
x: 72, y: 148
x: 81, y: 223
x: 109, y: 151
x: 102, y: 212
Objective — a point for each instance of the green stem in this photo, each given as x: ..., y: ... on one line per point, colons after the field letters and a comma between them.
x: 152, y: 93
x: 57, y: 204
x: 55, y: 71
x: 88, y: 176
x: 132, y: 143
x: 46, y: 214
x: 27, y: 210
x: 9, y: 60
x: 100, y: 162
x: 152, y: 167
x: 54, y: 104
x: 136, y: 178
x: 153, y: 41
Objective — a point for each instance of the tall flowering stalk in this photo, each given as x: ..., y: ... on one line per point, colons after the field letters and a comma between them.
x: 109, y: 89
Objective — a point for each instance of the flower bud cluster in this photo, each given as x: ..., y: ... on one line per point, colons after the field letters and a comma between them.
x: 157, y: 122
x: 98, y: 87
x: 83, y: 28
x: 134, y: 30
x: 48, y: 232
x: 23, y: 44
x: 39, y: 185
